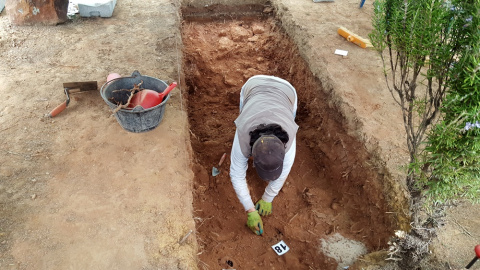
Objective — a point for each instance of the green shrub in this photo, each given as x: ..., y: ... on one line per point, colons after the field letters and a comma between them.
x: 430, y: 51
x: 452, y: 156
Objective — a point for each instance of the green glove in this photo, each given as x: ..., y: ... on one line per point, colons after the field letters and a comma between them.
x: 254, y: 222
x: 263, y: 207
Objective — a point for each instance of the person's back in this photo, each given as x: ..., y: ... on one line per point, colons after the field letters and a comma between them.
x: 266, y: 100
x: 266, y: 130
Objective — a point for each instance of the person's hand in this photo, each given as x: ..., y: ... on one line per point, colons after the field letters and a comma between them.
x: 264, y: 208
x: 254, y: 222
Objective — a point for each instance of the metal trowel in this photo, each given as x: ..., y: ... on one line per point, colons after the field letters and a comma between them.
x: 67, y: 88
x: 216, y: 171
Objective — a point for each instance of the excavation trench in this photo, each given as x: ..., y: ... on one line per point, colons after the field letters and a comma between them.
x: 331, y: 192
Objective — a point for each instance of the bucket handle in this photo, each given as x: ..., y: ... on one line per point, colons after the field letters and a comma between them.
x: 138, y: 108
x: 135, y: 74
x: 101, y: 88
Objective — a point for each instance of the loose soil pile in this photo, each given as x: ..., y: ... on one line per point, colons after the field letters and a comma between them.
x: 331, y: 188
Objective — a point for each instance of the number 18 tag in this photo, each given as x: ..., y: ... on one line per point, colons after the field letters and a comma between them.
x: 280, y: 248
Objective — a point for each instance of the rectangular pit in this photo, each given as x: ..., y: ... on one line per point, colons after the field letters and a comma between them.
x: 330, y: 189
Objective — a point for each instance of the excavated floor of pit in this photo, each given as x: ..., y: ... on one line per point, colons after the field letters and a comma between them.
x: 330, y: 189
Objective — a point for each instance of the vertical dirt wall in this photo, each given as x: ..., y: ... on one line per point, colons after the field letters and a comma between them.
x: 389, y: 172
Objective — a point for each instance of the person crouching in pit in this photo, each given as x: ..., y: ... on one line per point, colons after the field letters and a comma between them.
x: 265, y: 130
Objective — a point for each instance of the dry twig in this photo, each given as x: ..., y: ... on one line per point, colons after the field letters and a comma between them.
x: 185, y: 237
x: 136, y: 87
x: 463, y: 228
x: 292, y: 218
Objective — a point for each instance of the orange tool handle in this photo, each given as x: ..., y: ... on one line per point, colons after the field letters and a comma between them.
x: 477, y: 253
x: 58, y: 109
x: 222, y: 159
x: 167, y: 91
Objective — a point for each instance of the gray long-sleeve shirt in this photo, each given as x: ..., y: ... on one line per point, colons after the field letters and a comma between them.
x: 263, y: 100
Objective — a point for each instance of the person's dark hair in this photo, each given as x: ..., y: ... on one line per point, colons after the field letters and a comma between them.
x: 270, y: 129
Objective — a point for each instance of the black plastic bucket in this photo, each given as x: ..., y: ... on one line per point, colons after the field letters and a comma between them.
x: 139, y: 119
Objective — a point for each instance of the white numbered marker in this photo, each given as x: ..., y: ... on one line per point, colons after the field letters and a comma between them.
x: 280, y: 248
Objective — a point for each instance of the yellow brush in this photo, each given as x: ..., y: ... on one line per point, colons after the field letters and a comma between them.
x: 359, y: 41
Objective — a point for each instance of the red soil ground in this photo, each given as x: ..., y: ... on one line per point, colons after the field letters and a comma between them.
x: 330, y: 189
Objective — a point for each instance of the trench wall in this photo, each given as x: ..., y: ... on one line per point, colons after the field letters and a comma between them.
x: 316, y: 48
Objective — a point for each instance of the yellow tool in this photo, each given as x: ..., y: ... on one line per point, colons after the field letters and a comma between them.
x: 362, y: 42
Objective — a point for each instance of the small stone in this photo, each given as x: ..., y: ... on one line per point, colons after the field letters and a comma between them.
x: 320, y: 215
x: 230, y: 81
x: 34, y: 196
x: 335, y: 206
x: 239, y: 33
x: 225, y: 43
x: 253, y: 39
x: 268, y: 10
x: 258, y: 29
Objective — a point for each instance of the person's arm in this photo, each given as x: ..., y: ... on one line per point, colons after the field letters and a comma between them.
x: 274, y: 187
x: 238, y: 172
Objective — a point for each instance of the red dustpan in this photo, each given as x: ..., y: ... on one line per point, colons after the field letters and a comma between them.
x: 149, y: 98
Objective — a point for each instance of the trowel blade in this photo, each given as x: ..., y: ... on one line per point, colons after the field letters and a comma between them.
x: 215, y: 171
x: 82, y: 86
